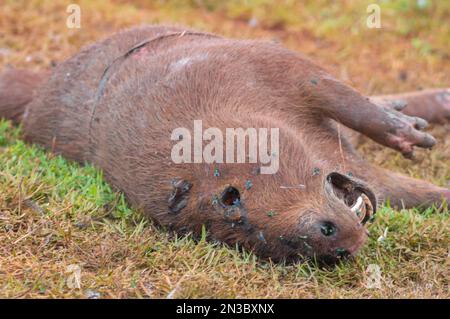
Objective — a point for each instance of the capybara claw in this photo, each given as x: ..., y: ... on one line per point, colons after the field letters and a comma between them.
x: 417, y: 138
x: 420, y: 123
x: 399, y: 104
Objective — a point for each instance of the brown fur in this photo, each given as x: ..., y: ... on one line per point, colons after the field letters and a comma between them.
x: 116, y: 102
x: 16, y: 91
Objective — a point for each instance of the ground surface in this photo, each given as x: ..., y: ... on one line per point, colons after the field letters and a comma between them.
x: 64, y: 233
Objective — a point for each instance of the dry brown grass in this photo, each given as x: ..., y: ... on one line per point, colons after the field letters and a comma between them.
x: 54, y: 214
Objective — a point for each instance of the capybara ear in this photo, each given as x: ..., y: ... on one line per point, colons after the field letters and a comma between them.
x: 179, y: 197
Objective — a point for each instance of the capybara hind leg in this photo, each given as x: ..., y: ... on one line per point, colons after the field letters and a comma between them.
x: 381, y: 123
x: 432, y: 105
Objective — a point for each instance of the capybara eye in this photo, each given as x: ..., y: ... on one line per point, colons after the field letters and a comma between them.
x: 328, y: 228
x: 230, y: 196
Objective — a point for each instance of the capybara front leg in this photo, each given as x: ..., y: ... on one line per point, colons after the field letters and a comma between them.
x: 380, y: 122
x: 432, y: 105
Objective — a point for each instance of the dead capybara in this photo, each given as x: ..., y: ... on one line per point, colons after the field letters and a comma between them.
x: 128, y: 104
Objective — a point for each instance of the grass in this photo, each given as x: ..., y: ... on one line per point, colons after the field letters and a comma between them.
x: 57, y: 217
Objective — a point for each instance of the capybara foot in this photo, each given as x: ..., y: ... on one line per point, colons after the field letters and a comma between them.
x: 404, y: 132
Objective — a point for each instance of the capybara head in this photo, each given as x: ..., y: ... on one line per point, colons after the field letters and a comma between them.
x: 323, y: 220
x: 335, y: 221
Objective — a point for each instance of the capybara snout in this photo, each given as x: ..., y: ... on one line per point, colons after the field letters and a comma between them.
x: 332, y: 225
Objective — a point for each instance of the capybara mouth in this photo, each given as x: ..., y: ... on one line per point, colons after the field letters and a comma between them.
x: 355, y: 194
x: 363, y: 208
